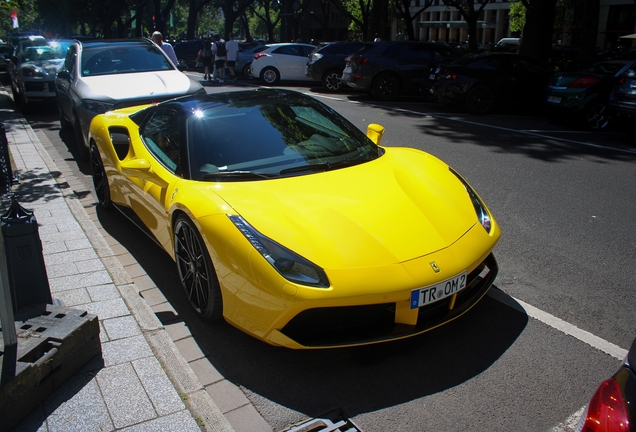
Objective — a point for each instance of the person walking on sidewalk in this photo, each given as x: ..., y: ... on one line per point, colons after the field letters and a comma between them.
x: 232, y: 56
x: 220, y: 53
x: 206, y: 56
x: 157, y: 38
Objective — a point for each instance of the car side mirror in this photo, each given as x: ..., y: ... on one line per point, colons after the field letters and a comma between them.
x: 375, y: 132
x: 182, y: 67
x: 141, y: 168
x: 64, y: 74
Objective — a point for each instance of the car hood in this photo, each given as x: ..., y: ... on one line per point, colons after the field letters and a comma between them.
x: 141, y: 85
x: 402, y: 206
x: 50, y: 66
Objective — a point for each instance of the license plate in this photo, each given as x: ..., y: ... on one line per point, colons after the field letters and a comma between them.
x: 434, y: 293
x: 554, y: 99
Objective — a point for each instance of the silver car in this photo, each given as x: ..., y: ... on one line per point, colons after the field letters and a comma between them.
x: 33, y: 74
x: 103, y: 75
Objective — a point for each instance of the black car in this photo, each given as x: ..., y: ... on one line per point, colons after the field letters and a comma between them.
x: 481, y: 82
x: 613, y: 406
x: 187, y: 53
x: 622, y: 101
x: 389, y: 69
x: 327, y: 62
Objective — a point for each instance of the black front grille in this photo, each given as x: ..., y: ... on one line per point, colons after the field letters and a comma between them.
x: 129, y: 103
x: 336, y: 326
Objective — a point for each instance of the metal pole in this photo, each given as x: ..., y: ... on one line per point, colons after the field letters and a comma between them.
x: 9, y: 336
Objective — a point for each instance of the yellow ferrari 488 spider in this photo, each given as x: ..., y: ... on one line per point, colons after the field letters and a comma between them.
x: 290, y: 223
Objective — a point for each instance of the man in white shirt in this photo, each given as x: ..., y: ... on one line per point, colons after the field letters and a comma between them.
x: 220, y: 54
x: 232, y: 48
x: 157, y: 38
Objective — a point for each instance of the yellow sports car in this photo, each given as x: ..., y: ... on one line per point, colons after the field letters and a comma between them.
x: 293, y: 225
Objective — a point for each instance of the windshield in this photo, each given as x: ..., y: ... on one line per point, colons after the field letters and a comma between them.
x: 40, y: 53
x: 116, y: 59
x: 272, y: 137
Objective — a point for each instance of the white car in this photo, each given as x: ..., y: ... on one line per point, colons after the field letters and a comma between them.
x: 103, y: 75
x: 282, y: 62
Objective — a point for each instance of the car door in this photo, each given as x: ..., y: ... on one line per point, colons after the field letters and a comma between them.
x: 149, y: 191
x: 291, y: 61
x: 63, y: 80
x: 528, y: 80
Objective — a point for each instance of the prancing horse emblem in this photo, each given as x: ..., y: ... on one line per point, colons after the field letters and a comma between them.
x: 435, y: 266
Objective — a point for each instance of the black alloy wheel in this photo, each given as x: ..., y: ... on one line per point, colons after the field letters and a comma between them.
x: 247, y: 70
x: 100, y: 180
x: 332, y: 81
x: 480, y: 100
x: 596, y: 116
x: 196, y: 271
x: 386, y: 86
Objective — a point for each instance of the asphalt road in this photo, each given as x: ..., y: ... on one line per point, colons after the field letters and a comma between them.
x: 530, y: 355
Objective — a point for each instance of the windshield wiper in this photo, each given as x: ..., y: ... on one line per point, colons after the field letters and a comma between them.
x: 237, y: 174
x: 323, y: 166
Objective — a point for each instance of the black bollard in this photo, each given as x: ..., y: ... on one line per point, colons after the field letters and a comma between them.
x: 27, y: 273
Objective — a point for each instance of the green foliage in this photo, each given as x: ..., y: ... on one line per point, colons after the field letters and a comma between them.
x: 517, y: 16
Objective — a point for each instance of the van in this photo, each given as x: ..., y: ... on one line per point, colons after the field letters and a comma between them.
x: 507, y: 45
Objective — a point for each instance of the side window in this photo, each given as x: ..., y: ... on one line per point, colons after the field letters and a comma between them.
x: 162, y: 138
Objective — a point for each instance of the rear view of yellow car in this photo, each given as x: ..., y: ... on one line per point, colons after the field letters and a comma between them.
x: 290, y: 223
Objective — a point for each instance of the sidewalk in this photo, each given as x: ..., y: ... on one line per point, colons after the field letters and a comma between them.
x: 141, y: 382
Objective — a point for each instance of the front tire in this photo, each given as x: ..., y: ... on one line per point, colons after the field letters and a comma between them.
x: 247, y: 70
x: 386, y: 87
x: 196, y: 271
x: 100, y: 180
x: 82, y: 150
x: 480, y: 100
x: 270, y: 75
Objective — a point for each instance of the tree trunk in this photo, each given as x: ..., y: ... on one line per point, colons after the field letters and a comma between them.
x: 537, y: 32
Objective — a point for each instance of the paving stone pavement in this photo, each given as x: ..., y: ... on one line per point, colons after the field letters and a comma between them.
x: 147, y: 378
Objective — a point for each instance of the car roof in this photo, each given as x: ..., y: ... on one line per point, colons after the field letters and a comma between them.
x: 110, y: 42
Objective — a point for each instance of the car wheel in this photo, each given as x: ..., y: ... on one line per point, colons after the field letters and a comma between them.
x: 480, y: 100
x: 247, y: 70
x: 386, y: 86
x: 332, y: 81
x: 82, y: 151
x: 596, y: 116
x: 196, y: 272
x: 270, y: 75
x: 100, y: 180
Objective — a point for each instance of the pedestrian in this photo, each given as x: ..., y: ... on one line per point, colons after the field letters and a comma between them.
x: 220, y: 54
x: 206, y: 57
x: 232, y: 49
x: 157, y: 38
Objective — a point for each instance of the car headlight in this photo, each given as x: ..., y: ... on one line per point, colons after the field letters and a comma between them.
x: 290, y: 265
x: 480, y: 208
x: 33, y: 71
x: 97, y: 107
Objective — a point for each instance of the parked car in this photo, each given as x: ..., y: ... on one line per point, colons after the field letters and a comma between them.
x: 387, y: 70
x: 622, y: 100
x: 282, y: 62
x: 187, y: 53
x: 584, y: 95
x: 246, y: 55
x: 509, y: 45
x: 33, y: 78
x: 481, y: 82
x: 103, y: 75
x: 229, y: 189
x: 612, y: 408
x: 327, y: 62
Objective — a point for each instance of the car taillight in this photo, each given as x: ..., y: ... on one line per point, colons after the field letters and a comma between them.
x: 620, y: 81
x: 583, y: 82
x: 449, y: 76
x: 357, y: 59
x: 606, y: 411
x: 259, y: 55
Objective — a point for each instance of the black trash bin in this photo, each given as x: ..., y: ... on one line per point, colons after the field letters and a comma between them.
x: 27, y: 273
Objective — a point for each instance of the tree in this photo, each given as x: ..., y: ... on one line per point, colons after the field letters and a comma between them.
x: 467, y: 10
x: 359, y: 12
x: 537, y: 32
x: 267, y: 12
x: 404, y: 11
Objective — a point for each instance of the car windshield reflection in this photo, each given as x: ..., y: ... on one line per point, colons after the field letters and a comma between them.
x: 272, y: 137
x: 122, y: 59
